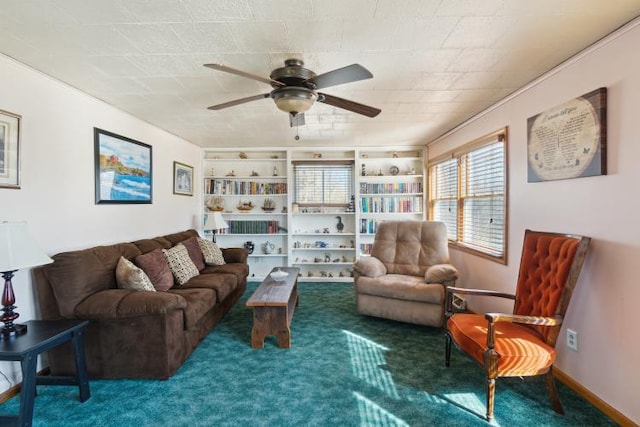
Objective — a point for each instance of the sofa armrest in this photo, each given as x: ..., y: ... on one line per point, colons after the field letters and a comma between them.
x: 232, y: 255
x: 370, y: 267
x: 441, y: 273
x: 122, y: 303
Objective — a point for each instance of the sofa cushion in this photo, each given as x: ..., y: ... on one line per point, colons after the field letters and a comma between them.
x: 129, y: 276
x: 199, y: 302
x: 180, y: 236
x: 211, y: 251
x: 76, y: 275
x: 398, y: 286
x: 155, y: 266
x: 223, y: 284
x: 180, y: 263
x: 148, y: 245
x: 195, y: 253
x: 241, y: 271
x: 123, y: 303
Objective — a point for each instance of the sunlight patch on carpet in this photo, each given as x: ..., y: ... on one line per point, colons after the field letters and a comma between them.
x: 468, y: 402
x: 366, y: 358
x: 373, y: 415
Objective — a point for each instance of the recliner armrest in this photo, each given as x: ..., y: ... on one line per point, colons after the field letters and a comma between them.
x: 441, y: 273
x: 122, y: 303
x: 370, y: 267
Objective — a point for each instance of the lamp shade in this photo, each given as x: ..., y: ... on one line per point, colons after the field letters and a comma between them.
x: 215, y: 221
x: 294, y: 99
x: 18, y: 249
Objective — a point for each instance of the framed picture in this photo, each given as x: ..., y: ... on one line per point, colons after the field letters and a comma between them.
x: 569, y: 140
x: 182, y: 179
x: 122, y: 169
x: 9, y: 150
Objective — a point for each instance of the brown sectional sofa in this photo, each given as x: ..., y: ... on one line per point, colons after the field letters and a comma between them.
x: 135, y: 334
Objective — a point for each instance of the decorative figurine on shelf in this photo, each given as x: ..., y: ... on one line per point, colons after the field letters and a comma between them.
x: 242, y: 155
x: 363, y: 172
x: 249, y: 246
x: 325, y: 230
x: 339, y: 225
x: 327, y: 257
x: 275, y: 171
x: 232, y: 173
x: 394, y: 154
x: 269, y: 205
x: 267, y: 247
x: 254, y: 173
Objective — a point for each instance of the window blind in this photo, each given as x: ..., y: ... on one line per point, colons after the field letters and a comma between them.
x: 482, y: 188
x: 323, y: 184
x: 467, y: 191
x: 444, y: 195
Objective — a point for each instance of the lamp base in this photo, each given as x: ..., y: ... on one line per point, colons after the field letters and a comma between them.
x: 12, y: 331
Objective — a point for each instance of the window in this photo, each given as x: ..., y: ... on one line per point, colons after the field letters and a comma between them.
x: 323, y: 183
x: 467, y: 191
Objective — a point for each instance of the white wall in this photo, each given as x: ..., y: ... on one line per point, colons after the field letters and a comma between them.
x: 605, y: 307
x: 57, y: 195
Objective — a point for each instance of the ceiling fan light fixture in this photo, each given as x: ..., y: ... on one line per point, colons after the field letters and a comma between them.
x: 294, y: 99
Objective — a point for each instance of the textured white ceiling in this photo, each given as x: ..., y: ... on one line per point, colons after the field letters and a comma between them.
x: 435, y: 63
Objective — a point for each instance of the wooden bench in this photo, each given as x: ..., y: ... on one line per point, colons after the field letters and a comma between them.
x: 273, y: 304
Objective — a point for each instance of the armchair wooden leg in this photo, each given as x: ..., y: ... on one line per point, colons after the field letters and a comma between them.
x: 447, y: 350
x: 553, y: 392
x: 491, y: 391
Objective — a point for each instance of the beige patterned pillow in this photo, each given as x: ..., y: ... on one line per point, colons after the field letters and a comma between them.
x: 211, y: 251
x: 180, y: 263
x: 128, y: 276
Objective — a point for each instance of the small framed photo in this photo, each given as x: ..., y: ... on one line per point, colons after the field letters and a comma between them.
x: 182, y: 179
x: 122, y: 169
x: 9, y: 150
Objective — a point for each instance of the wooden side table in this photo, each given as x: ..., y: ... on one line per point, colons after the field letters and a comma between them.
x: 41, y: 336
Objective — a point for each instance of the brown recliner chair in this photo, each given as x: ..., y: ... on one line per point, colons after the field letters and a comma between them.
x: 404, y: 279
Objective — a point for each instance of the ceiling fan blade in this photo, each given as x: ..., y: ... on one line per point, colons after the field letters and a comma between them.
x: 239, y: 101
x: 348, y: 74
x: 296, y: 119
x: 241, y: 73
x: 356, y: 107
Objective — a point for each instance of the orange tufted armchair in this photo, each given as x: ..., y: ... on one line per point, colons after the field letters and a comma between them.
x: 522, y: 343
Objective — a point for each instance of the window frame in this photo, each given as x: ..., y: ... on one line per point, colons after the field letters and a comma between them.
x: 350, y: 164
x: 459, y: 153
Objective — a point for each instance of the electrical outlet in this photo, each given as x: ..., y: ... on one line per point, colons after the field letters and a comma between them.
x: 572, y: 340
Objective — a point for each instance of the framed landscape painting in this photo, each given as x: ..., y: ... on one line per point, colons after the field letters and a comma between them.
x: 182, y: 179
x: 9, y: 150
x: 122, y: 169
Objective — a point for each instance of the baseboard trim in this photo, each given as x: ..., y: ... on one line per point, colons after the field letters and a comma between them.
x: 15, y: 390
x: 609, y: 410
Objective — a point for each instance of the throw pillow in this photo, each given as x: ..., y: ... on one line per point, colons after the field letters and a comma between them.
x: 180, y: 264
x: 155, y: 265
x: 211, y: 251
x: 195, y: 253
x: 128, y: 276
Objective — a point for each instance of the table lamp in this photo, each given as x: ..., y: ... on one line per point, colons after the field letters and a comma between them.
x: 17, y: 250
x: 215, y: 222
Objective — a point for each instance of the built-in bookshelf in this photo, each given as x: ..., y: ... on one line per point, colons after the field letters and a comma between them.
x: 391, y: 186
x: 254, y: 188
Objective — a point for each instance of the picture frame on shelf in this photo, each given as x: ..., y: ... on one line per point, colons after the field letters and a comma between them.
x: 123, y: 169
x: 9, y: 150
x: 182, y: 179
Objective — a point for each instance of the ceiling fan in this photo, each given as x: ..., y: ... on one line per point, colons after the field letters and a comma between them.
x: 294, y: 89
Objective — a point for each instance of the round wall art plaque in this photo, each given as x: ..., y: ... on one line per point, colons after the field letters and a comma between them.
x: 569, y: 141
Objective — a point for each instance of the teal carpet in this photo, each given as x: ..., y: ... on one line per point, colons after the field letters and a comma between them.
x: 342, y: 370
